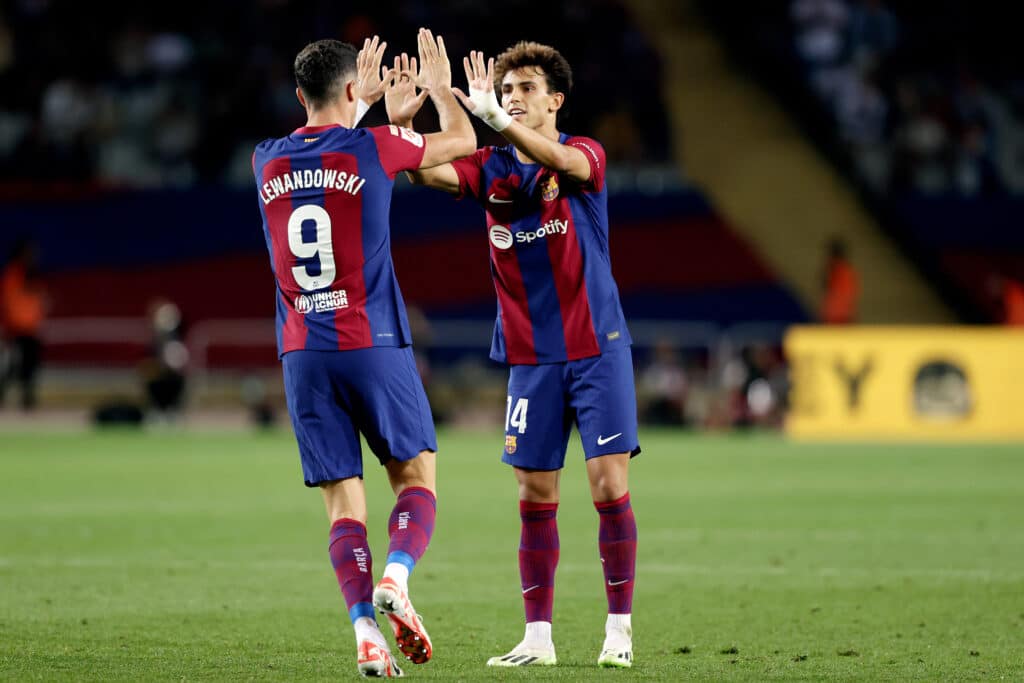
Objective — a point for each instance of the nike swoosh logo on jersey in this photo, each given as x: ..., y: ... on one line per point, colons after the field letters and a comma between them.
x: 530, y: 589
x: 602, y: 441
x: 617, y: 583
x: 495, y: 200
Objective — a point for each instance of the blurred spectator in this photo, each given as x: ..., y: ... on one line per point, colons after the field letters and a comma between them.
x: 422, y: 338
x: 975, y: 170
x: 819, y: 35
x: 841, y: 284
x: 766, y: 388
x: 1010, y: 295
x: 820, y: 28
x: 663, y: 384
x: 163, y: 372
x: 23, y: 305
x: 874, y: 32
x: 254, y: 396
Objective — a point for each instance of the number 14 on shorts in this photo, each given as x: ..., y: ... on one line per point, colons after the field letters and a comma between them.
x: 515, y: 418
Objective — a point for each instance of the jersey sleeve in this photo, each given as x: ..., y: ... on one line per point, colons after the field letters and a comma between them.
x: 399, y: 149
x: 471, y: 173
x: 594, y: 153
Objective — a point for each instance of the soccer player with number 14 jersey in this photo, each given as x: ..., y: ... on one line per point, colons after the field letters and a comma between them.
x: 560, y: 327
x: 342, y: 331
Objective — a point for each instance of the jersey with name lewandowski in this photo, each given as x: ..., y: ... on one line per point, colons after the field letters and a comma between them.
x: 325, y: 198
x: 557, y: 300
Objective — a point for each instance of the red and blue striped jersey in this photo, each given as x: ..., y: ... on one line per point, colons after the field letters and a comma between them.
x: 557, y: 300
x: 325, y: 198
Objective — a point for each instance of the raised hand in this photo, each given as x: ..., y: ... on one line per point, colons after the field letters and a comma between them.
x: 400, y: 98
x: 369, y: 86
x: 481, y: 101
x: 479, y: 77
x: 435, y: 69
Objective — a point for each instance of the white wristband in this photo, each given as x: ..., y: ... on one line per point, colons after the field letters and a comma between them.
x: 487, y: 109
x: 361, y: 109
x: 498, y: 120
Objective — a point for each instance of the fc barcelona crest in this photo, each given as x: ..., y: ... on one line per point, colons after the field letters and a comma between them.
x: 549, y: 190
x: 510, y: 444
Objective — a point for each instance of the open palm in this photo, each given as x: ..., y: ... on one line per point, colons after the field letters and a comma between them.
x: 435, y: 69
x: 479, y: 77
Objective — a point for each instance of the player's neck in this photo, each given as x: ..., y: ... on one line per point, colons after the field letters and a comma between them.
x: 548, y: 131
x: 330, y: 116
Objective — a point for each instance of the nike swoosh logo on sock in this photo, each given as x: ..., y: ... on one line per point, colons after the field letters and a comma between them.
x: 616, y: 583
x: 527, y: 590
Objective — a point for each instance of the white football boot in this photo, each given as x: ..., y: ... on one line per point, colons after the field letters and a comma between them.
x: 617, y: 651
x: 411, y: 636
x: 527, y: 654
x: 375, y: 661
x: 536, y: 649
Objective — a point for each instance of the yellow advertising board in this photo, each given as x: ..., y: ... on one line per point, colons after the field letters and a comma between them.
x: 890, y: 382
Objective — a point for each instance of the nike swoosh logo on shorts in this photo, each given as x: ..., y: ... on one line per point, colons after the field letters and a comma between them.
x: 602, y: 441
x: 495, y: 200
x: 617, y: 583
x: 530, y: 589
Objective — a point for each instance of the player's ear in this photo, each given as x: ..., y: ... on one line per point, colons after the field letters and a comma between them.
x: 557, y: 100
x: 350, y: 91
x: 302, y: 99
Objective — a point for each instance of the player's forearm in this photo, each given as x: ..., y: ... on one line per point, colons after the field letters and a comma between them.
x: 439, y: 178
x: 545, y: 151
x: 453, y: 118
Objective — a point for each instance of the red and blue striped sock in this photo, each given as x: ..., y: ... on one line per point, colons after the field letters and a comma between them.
x: 353, y: 565
x: 538, y: 558
x: 410, y: 527
x: 617, y: 545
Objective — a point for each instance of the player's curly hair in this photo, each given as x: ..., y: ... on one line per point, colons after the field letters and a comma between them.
x: 321, y: 69
x: 557, y: 71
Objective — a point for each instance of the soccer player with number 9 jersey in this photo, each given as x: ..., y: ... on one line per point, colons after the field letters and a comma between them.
x: 559, y: 326
x: 342, y: 332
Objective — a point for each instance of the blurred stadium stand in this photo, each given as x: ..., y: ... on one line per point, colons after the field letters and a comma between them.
x: 921, y: 108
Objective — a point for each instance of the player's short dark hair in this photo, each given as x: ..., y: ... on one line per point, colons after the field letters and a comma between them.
x: 321, y: 69
x: 557, y: 71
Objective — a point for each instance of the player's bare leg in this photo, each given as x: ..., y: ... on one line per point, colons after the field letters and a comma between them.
x: 409, y: 528
x: 538, y: 557
x: 609, y: 488
x: 345, y: 501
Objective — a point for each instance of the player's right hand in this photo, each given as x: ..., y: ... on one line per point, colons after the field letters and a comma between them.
x: 400, y: 98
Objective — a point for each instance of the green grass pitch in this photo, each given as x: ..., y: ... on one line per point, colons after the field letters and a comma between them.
x: 168, y: 556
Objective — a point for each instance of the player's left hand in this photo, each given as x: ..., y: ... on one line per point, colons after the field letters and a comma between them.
x: 400, y: 98
x: 435, y: 69
x: 370, y: 85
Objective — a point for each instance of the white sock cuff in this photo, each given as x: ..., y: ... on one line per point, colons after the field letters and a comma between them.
x: 538, y: 632
x: 399, y: 573
x: 366, y: 629
x: 619, y: 621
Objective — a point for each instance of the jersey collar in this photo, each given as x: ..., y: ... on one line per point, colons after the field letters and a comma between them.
x: 305, y: 130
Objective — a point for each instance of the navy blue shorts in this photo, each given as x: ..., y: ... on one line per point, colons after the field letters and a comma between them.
x: 332, y: 396
x: 596, y: 394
